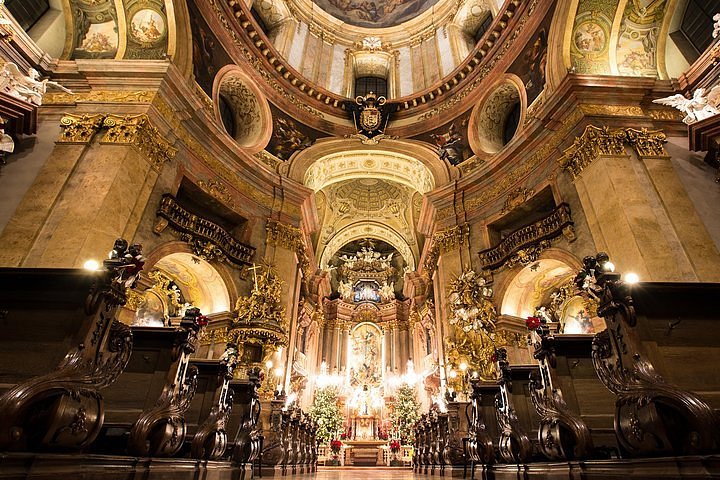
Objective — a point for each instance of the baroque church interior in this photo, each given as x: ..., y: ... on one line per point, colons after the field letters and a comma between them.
x: 463, y: 238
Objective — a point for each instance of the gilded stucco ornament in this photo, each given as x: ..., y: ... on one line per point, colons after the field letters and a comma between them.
x: 218, y: 191
x: 604, y: 141
x: 516, y: 198
x: 290, y: 238
x: 444, y: 241
x: 79, y: 129
x: 136, y: 130
x: 259, y: 324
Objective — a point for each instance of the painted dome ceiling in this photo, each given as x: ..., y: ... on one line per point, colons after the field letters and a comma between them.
x: 375, y: 13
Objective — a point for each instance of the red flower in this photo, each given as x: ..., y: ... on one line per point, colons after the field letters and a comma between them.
x: 202, y: 320
x: 394, y: 446
x: 335, y: 446
x: 532, y: 323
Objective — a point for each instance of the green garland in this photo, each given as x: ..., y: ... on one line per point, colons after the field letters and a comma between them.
x: 326, y: 412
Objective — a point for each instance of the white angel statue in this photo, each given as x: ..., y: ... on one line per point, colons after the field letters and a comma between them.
x: 345, y: 290
x: 697, y: 108
x: 716, y: 25
x: 387, y: 291
x: 26, y: 87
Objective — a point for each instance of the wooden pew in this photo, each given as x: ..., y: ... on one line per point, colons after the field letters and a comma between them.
x: 678, y: 326
x: 154, y: 363
x: 583, y: 392
x: 41, y: 312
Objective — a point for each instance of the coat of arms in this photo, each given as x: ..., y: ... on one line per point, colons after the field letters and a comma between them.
x: 370, y: 113
x: 370, y: 118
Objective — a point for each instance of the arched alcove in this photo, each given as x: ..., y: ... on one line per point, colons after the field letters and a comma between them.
x: 242, y: 109
x: 528, y: 287
x: 200, y: 282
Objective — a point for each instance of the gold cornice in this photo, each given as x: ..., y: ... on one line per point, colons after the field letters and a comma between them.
x: 99, y: 96
x: 137, y: 130
x: 604, y: 141
x: 79, y: 129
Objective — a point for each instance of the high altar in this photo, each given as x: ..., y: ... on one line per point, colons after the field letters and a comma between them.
x: 367, y: 350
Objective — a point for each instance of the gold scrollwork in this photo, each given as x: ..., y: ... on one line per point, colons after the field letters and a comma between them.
x: 136, y: 130
x: 218, y: 191
x: 597, y: 141
x: 79, y: 129
x: 291, y: 238
x: 516, y: 198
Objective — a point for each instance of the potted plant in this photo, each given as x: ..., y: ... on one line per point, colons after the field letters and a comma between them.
x: 395, y: 460
x: 335, y: 446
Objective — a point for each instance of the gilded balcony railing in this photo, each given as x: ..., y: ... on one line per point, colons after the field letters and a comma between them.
x: 528, y: 237
x: 200, y: 228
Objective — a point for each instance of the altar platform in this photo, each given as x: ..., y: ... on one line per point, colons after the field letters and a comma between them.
x: 365, y: 453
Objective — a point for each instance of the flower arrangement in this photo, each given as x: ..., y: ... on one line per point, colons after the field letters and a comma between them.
x: 394, y: 446
x: 532, y: 323
x: 335, y: 446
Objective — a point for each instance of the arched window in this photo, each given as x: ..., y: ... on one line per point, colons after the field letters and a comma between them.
x: 365, y: 85
x: 694, y: 34
x: 483, y: 27
x: 27, y: 12
x: 259, y: 20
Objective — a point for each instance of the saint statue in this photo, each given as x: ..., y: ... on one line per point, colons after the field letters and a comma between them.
x: 28, y: 88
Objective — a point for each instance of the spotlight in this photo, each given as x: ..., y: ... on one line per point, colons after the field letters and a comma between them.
x: 91, y: 265
x: 463, y: 366
x: 453, y: 374
x: 632, y: 277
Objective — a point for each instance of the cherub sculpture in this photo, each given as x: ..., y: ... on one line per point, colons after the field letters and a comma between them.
x: 716, y: 25
x: 697, y: 108
x: 26, y: 87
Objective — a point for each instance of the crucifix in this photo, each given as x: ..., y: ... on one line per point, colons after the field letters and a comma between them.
x: 254, y: 270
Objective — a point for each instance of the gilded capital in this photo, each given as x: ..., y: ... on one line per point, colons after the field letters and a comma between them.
x: 597, y: 141
x: 79, y: 129
x: 290, y: 238
x: 136, y: 130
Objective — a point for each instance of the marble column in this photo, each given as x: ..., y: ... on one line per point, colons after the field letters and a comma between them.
x: 61, y: 222
x: 344, y: 346
x: 387, y: 339
x: 638, y: 211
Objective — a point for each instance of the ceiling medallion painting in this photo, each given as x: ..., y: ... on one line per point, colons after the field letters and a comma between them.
x: 374, y: 13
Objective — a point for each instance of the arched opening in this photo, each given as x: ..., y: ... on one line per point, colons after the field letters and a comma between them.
x: 496, y: 119
x: 367, y: 84
x: 177, y: 281
x: 546, y: 289
x: 241, y: 109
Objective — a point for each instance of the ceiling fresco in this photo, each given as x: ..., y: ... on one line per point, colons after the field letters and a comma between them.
x: 375, y: 13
